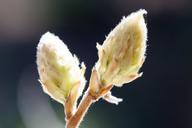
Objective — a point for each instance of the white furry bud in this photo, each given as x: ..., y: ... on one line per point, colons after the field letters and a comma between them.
x: 58, y: 69
x: 123, y: 52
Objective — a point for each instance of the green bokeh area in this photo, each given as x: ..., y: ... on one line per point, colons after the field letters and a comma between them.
x: 161, y: 98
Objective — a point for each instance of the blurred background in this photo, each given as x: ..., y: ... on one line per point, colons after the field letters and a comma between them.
x: 162, y: 98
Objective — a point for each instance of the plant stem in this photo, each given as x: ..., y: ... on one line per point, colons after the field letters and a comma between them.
x: 93, y: 93
x: 75, y: 120
x: 68, y: 112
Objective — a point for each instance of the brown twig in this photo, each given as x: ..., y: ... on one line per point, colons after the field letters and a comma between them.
x: 68, y: 110
x: 81, y: 111
x: 93, y: 93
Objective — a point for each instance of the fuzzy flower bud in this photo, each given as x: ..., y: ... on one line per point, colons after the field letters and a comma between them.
x: 59, y: 71
x: 123, y: 52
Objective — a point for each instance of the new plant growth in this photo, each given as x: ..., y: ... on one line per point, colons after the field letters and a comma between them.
x: 120, y: 57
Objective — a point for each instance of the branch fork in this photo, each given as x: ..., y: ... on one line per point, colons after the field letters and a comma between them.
x: 93, y: 94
